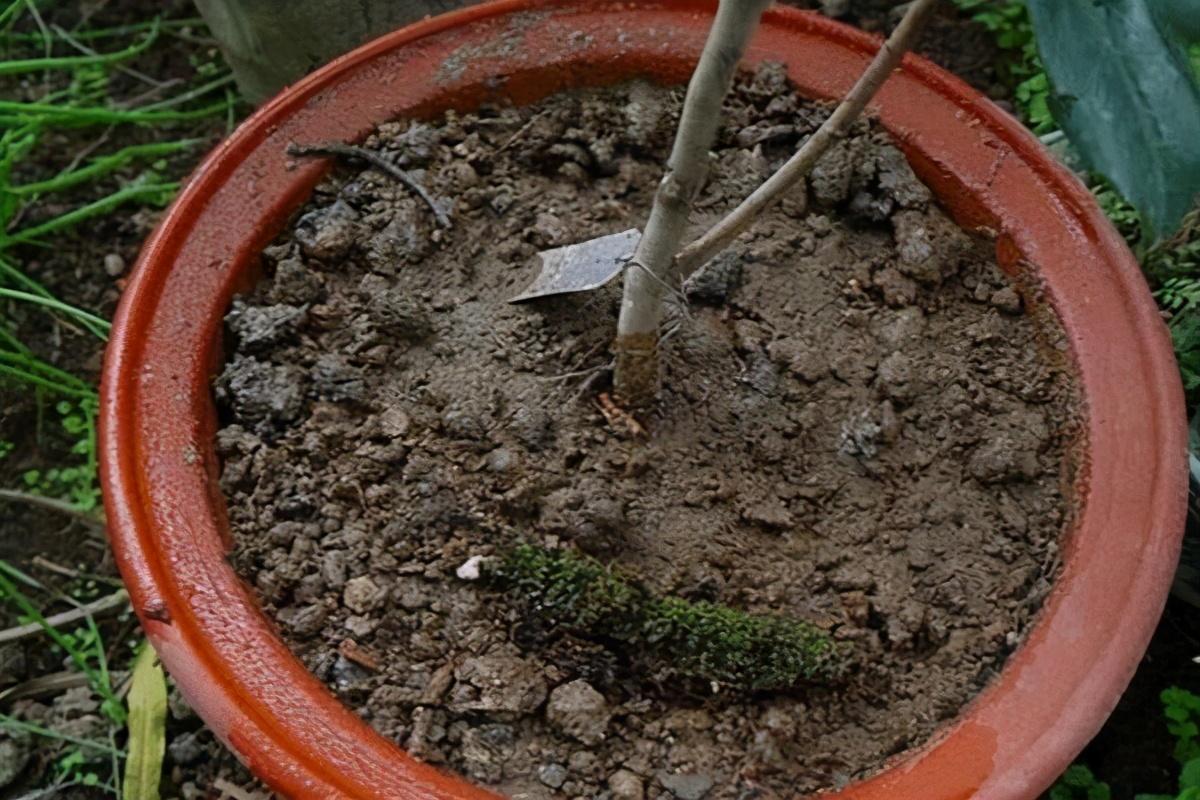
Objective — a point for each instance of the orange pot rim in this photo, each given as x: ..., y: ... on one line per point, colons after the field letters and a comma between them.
x: 166, y: 515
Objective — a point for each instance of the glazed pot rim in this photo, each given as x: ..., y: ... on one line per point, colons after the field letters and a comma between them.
x: 164, y: 507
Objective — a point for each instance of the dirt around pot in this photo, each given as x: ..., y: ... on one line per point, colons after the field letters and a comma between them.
x: 864, y: 426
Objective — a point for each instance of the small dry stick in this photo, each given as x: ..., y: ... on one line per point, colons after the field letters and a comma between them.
x: 375, y: 159
x: 50, y: 504
x: 835, y: 127
x: 45, y: 686
x: 353, y: 651
x: 118, y: 599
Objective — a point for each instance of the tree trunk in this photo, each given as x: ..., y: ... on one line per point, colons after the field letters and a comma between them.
x: 271, y: 43
x: 636, y: 372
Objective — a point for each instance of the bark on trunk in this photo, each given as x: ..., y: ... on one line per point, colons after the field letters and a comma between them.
x: 636, y: 371
x: 271, y: 43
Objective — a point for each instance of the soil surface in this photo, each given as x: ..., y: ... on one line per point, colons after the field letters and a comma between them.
x: 862, y: 426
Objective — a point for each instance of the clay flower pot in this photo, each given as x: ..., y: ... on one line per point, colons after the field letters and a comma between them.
x: 166, y: 513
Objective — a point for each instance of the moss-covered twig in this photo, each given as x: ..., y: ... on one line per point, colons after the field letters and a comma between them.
x: 698, y: 639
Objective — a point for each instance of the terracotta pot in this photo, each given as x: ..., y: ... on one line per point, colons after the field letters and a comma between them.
x: 166, y: 513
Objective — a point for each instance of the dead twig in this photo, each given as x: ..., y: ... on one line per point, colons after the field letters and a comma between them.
x: 57, y: 569
x: 50, y: 504
x: 520, y: 132
x: 678, y: 295
x: 45, y: 686
x: 375, y: 159
x: 579, y: 373
x: 801, y: 163
x: 354, y: 652
x: 592, y: 381
x: 152, y: 93
x: 111, y: 602
x: 49, y: 791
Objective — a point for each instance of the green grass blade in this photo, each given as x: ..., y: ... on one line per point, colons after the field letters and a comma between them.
x: 24, y: 376
x: 93, y: 209
x: 108, y: 33
x: 98, y: 678
x: 101, y: 166
x: 9, y: 590
x: 10, y: 12
x: 192, y: 94
x: 30, y: 285
x: 58, y: 305
x: 28, y: 369
x: 11, y: 723
x: 21, y: 279
x: 147, y: 728
x: 16, y: 575
x: 15, y: 346
x: 14, y: 112
x: 71, y: 62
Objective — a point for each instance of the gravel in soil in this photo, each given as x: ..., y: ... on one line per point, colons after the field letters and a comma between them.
x: 864, y: 425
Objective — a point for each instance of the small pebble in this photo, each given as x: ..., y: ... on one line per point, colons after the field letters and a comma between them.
x: 114, y: 265
x: 625, y: 785
x: 361, y: 595
x: 553, y: 775
x: 686, y: 785
x: 1007, y: 300
x: 579, y: 711
x: 469, y: 570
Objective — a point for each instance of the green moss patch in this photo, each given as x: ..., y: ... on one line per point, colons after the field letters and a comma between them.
x: 704, y: 640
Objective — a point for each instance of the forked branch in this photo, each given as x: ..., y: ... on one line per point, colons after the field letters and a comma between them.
x: 636, y: 370
x: 661, y: 262
x: 835, y: 127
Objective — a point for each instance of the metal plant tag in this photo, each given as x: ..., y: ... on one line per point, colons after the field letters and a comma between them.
x: 581, y: 267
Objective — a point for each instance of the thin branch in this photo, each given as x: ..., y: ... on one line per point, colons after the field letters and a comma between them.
x: 377, y: 160
x: 12, y: 723
x: 835, y: 127
x: 110, y: 602
x: 48, y: 791
x: 44, y: 686
x: 50, y: 504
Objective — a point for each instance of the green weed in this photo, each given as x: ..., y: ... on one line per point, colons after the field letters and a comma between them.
x: 1181, y: 709
x: 76, y: 483
x: 78, y: 97
x: 697, y: 639
x: 1009, y: 23
x: 1172, y: 267
x: 1078, y: 783
x: 16, y: 66
x: 83, y: 761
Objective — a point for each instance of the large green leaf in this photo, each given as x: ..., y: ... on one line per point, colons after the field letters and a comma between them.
x: 1124, y: 92
x: 147, y: 728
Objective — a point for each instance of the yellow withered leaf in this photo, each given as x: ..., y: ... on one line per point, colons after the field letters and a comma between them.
x: 147, y: 727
